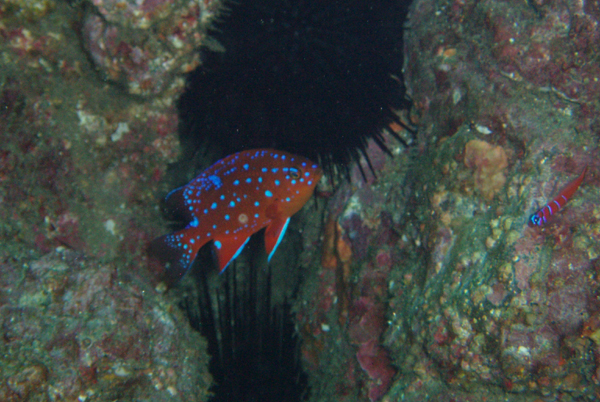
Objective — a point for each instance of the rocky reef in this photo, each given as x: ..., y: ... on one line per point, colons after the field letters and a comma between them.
x: 73, y: 330
x: 421, y: 281
x: 432, y: 267
x: 87, y: 129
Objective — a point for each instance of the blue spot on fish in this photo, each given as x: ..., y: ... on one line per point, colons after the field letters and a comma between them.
x: 215, y: 180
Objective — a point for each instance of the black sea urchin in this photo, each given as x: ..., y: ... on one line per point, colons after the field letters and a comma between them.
x: 255, y: 352
x: 313, y: 77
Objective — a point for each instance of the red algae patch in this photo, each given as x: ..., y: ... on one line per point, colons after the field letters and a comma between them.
x: 489, y: 162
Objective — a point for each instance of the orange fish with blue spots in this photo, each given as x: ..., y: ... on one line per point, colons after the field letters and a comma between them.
x: 233, y: 199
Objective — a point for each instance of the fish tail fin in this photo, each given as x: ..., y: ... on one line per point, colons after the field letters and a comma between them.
x: 176, y: 252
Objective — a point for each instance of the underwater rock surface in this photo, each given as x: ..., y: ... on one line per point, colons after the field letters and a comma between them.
x: 81, y: 161
x: 145, y: 47
x: 503, y: 305
x: 422, y: 283
x: 80, y: 166
x: 72, y: 330
x: 433, y: 262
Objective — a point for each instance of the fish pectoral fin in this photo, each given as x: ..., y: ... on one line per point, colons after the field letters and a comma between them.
x: 175, y: 208
x: 274, y: 234
x: 272, y: 211
x: 226, y: 250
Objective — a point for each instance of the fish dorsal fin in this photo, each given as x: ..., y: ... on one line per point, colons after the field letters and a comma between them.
x: 274, y: 233
x: 227, y: 249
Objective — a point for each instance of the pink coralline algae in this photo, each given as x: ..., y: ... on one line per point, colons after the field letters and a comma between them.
x: 345, y: 322
x: 367, y: 322
x: 569, y: 292
x: 146, y: 46
x: 73, y: 330
x: 529, y: 261
x: 375, y: 360
x: 552, y: 51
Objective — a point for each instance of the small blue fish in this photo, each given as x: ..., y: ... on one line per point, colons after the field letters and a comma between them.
x: 233, y: 199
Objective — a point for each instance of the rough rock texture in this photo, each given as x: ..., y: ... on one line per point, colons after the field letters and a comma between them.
x: 74, y: 329
x: 81, y: 161
x: 432, y: 266
x: 425, y: 282
x: 343, y: 306
x: 81, y: 164
x: 145, y: 46
x: 506, y: 305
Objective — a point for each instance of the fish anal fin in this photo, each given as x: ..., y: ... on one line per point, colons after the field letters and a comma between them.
x: 227, y: 249
x: 176, y: 252
x: 274, y: 233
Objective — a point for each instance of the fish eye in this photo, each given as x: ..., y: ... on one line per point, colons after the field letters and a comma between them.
x: 295, y: 173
